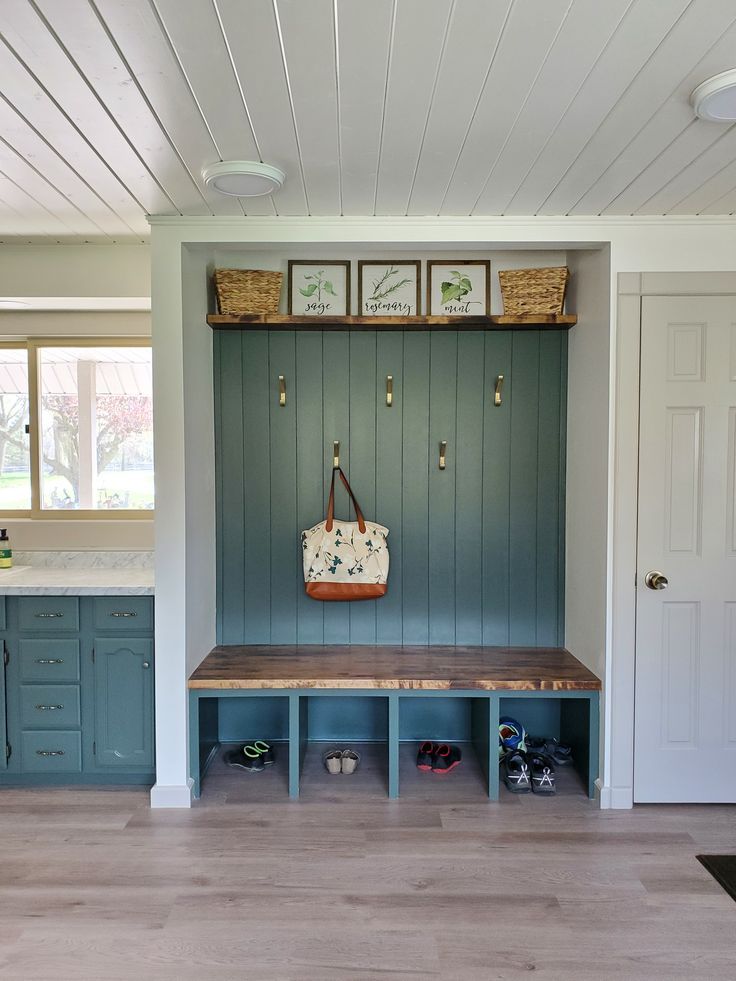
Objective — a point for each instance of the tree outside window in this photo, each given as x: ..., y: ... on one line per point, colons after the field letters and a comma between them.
x: 93, y: 446
x: 15, y: 458
x: 96, y: 439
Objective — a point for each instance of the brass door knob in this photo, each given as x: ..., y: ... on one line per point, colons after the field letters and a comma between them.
x: 655, y: 580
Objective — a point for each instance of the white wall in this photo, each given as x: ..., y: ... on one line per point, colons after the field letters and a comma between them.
x: 85, y: 271
x: 276, y: 257
x: 654, y: 244
x: 586, y: 522
x: 73, y: 323
x: 199, y: 408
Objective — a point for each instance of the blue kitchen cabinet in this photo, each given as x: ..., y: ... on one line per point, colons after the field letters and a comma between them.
x: 76, y: 690
x: 123, y: 673
x: 3, y: 714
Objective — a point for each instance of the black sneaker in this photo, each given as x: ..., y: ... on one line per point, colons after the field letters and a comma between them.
x: 426, y: 756
x: 515, y: 770
x: 559, y: 753
x: 446, y: 758
x: 543, y: 774
x: 266, y: 751
x: 247, y: 758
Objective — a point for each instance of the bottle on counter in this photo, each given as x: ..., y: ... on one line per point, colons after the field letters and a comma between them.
x: 6, y: 552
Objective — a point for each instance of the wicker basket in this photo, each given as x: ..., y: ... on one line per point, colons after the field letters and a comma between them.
x: 247, y: 291
x: 530, y: 291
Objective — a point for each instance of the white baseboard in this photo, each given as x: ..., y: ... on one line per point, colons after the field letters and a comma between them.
x: 615, y: 798
x: 603, y: 794
x: 172, y: 796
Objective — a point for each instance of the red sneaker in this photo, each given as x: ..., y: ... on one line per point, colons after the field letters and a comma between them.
x: 447, y: 758
x: 426, y: 756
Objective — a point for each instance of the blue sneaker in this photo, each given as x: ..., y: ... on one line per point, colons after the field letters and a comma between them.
x: 511, y: 735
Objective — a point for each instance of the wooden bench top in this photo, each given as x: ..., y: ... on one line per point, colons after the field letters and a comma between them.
x: 430, y: 668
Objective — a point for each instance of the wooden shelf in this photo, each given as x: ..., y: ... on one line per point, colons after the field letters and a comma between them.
x: 283, y: 321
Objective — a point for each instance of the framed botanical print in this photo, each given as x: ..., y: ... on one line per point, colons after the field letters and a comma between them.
x: 458, y: 288
x: 388, y: 288
x: 319, y: 289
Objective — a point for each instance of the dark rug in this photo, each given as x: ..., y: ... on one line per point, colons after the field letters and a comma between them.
x: 723, y: 870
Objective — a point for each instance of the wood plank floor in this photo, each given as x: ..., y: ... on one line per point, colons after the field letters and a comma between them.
x: 347, y: 886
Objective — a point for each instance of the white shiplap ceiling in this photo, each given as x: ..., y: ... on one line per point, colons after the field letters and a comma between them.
x: 109, y: 109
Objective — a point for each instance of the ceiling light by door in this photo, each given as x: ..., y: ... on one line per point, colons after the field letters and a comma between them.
x: 243, y: 178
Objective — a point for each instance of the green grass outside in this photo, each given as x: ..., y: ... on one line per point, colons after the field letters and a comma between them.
x: 15, y: 489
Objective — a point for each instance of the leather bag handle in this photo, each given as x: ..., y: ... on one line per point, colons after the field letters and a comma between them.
x: 331, y: 502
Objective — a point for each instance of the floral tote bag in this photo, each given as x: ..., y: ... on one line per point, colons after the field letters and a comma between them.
x: 345, y: 560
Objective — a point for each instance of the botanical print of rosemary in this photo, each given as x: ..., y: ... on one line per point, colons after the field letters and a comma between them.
x: 383, y: 299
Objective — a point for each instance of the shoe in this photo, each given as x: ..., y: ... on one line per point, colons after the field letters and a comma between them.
x: 543, y: 774
x: 247, y: 758
x: 266, y: 750
x: 333, y: 761
x: 426, y: 756
x: 511, y: 735
x: 559, y: 753
x: 446, y: 758
x: 515, y: 770
x: 350, y: 761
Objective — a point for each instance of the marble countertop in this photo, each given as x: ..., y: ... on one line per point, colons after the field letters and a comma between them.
x: 39, y: 581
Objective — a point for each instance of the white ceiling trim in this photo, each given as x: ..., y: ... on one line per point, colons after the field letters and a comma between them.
x: 95, y: 304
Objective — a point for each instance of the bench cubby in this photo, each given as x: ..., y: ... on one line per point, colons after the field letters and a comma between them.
x: 392, y: 697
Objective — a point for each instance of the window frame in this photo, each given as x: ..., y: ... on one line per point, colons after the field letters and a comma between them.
x: 32, y: 346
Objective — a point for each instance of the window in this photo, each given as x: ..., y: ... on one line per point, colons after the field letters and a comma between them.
x: 15, y: 452
x: 88, y: 446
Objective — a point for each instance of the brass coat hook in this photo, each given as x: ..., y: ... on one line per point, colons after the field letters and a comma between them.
x: 389, y: 390
x: 499, y: 386
x: 443, y: 454
x: 336, y: 454
x: 282, y: 391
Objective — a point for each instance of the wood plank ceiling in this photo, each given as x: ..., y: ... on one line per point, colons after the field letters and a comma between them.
x: 109, y: 109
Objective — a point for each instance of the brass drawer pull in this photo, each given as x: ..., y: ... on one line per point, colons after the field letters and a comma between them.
x: 48, y: 708
x: 50, y: 752
x: 49, y: 660
x: 48, y: 616
x: 123, y: 613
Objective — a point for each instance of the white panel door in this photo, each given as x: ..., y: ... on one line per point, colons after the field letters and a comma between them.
x: 685, y: 745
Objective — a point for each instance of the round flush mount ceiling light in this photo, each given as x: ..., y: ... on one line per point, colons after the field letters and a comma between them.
x: 715, y: 98
x: 243, y: 178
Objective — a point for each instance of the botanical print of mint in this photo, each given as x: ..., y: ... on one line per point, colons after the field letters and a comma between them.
x: 454, y: 292
x: 318, y: 287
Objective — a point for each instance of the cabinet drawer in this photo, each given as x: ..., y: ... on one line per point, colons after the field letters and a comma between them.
x: 49, y: 706
x: 49, y: 660
x: 51, y: 752
x: 2, y: 613
x: 123, y: 613
x: 48, y: 613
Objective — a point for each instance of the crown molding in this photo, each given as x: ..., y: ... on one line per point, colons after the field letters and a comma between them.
x: 505, y: 232
x: 442, y: 222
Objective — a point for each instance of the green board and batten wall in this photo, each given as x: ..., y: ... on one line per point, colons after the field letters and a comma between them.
x: 477, y: 550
